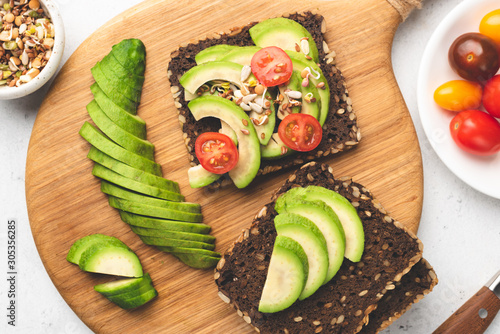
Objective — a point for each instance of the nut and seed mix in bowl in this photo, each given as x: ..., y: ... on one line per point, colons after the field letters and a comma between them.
x: 27, y: 38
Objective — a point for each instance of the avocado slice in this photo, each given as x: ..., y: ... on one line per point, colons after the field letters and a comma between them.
x: 125, y: 285
x: 118, y: 135
x: 103, y: 144
x: 131, y: 54
x: 159, y: 223
x: 200, y: 177
x: 248, y: 144
x: 241, y: 55
x: 198, y: 261
x: 106, y: 258
x: 109, y: 65
x: 283, y: 33
x: 153, y: 211
x: 128, y: 303
x: 159, y: 233
x: 212, y: 53
x: 116, y: 191
x: 300, y: 63
x: 198, y: 75
x: 131, y: 172
x: 327, y: 222
x: 128, y: 122
x: 307, y: 234
x: 108, y: 79
x: 275, y: 149
x: 346, y: 212
x: 113, y: 93
x: 167, y: 243
x: 82, y: 244
x: 107, y: 174
x: 286, y: 276
x: 194, y: 251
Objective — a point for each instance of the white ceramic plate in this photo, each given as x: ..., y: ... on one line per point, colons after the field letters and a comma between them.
x: 481, y: 173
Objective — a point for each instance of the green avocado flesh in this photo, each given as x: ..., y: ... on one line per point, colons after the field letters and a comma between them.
x: 118, y: 135
x: 110, y: 66
x: 122, y: 286
x: 166, y: 224
x: 131, y: 172
x: 82, y: 244
x: 112, y: 92
x: 286, y: 276
x: 153, y: 211
x: 105, y: 258
x: 213, y: 53
x: 283, y: 33
x: 133, y: 302
x: 307, y: 234
x: 167, y: 243
x: 128, y: 122
x: 109, y: 175
x: 347, y: 214
x: 197, y: 261
x: 327, y: 222
x: 200, y: 177
x: 248, y: 163
x: 103, y: 144
x: 116, y: 191
x: 241, y: 55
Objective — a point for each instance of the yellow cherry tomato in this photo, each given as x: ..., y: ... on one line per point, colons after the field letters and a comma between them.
x: 490, y: 25
x: 458, y: 95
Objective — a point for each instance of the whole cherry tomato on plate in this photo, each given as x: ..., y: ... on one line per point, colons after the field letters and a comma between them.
x: 271, y: 66
x: 490, y: 25
x: 458, y: 95
x: 474, y: 57
x: 216, y: 152
x: 300, y: 132
x: 476, y: 132
x: 491, y: 96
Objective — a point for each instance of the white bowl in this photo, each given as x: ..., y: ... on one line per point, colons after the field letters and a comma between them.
x: 7, y: 93
x: 481, y: 173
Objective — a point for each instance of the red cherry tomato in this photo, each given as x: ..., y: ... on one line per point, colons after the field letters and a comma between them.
x: 491, y: 96
x: 271, y: 66
x: 476, y: 132
x: 300, y: 132
x: 458, y: 95
x: 490, y: 25
x: 474, y: 57
x: 216, y: 152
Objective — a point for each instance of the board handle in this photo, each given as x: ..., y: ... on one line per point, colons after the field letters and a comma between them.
x: 474, y: 316
x: 404, y: 7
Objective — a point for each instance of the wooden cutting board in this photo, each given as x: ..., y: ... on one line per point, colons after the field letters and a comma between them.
x: 65, y: 202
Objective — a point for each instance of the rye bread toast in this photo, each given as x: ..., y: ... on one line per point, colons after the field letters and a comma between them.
x: 340, y: 131
x: 346, y: 303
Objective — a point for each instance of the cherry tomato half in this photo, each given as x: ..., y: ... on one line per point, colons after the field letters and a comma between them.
x: 271, y: 66
x: 216, y: 152
x: 490, y: 25
x: 474, y: 57
x: 300, y: 132
x: 491, y: 96
x: 458, y: 95
x: 476, y: 132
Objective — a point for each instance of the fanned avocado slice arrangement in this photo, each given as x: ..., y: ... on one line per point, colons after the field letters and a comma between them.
x: 151, y: 205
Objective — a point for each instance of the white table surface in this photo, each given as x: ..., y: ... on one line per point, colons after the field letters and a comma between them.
x: 460, y: 227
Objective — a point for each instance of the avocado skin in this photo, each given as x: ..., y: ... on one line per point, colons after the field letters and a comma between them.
x: 131, y: 54
x: 84, y: 243
x: 197, y: 261
x: 159, y: 223
x: 109, y: 64
x: 160, y: 233
x: 128, y: 122
x: 102, y: 143
x: 132, y: 284
x: 129, y: 303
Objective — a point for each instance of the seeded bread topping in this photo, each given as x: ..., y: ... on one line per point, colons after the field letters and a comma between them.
x: 344, y: 304
x: 340, y: 131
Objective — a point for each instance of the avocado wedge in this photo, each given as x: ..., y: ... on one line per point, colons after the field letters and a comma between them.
x: 165, y: 224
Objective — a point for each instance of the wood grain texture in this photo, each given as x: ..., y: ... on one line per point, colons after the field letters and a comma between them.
x: 65, y: 202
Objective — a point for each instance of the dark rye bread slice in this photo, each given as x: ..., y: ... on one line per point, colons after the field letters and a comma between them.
x: 340, y: 131
x: 341, y: 306
x: 410, y: 290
